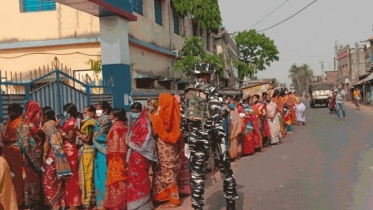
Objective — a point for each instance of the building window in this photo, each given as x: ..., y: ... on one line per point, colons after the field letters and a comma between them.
x: 200, y: 32
x: 176, y: 24
x: 195, y: 28
x: 137, y: 6
x: 38, y: 5
x: 158, y: 11
x: 208, y: 42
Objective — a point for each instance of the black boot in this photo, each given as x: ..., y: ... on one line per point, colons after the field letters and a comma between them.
x: 231, y: 205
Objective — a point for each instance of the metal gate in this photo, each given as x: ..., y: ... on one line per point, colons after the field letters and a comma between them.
x: 54, y: 89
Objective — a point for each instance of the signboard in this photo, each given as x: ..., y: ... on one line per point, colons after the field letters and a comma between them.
x: 256, y: 89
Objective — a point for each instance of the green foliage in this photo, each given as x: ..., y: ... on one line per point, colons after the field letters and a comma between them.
x: 193, y: 53
x: 95, y: 64
x: 256, y: 49
x: 301, y: 76
x: 206, y: 12
x: 243, y: 69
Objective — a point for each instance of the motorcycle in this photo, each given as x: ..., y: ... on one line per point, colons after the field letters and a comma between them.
x: 332, y: 104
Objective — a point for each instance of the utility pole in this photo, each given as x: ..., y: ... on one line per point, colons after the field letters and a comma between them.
x: 322, y: 71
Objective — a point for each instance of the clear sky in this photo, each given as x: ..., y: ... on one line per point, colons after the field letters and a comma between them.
x: 308, y: 37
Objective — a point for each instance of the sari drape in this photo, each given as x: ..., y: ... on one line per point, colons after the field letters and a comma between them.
x: 8, y: 197
x: 142, y: 150
x: 167, y: 127
x: 248, y: 143
x: 183, y: 177
x: 53, y: 184
x: 275, y: 123
x: 235, y: 131
x: 12, y: 154
x: 73, y: 196
x: 86, y: 165
x: 102, y: 128
x: 115, y: 193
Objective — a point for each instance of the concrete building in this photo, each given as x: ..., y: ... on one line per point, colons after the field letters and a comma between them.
x: 331, y: 77
x: 225, y: 45
x: 33, y: 33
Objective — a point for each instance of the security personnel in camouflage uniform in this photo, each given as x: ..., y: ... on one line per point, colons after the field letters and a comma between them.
x: 202, y: 127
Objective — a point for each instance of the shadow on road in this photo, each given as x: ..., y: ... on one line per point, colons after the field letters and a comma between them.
x: 217, y: 201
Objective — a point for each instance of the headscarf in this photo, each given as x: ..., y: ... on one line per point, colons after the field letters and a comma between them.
x: 140, y: 137
x: 166, y: 121
x: 32, y: 116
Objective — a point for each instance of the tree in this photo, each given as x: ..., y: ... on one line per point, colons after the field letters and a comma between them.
x: 193, y: 53
x: 301, y: 75
x: 206, y: 13
x: 256, y: 51
x: 95, y: 64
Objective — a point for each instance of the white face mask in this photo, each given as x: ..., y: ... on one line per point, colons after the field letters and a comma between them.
x: 98, y: 113
x: 86, y: 117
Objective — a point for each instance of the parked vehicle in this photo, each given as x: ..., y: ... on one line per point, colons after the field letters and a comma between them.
x: 320, y: 93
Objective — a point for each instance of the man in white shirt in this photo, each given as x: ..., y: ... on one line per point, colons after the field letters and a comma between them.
x: 341, y: 94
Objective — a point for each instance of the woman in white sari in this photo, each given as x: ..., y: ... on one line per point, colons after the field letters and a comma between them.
x: 300, y: 109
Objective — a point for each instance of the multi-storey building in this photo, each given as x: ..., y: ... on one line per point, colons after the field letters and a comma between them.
x: 34, y: 32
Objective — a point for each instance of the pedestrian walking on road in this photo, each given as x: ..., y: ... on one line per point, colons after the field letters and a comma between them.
x: 341, y: 94
x: 357, y: 97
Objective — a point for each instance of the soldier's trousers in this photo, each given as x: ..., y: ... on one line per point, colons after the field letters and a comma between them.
x: 199, y: 145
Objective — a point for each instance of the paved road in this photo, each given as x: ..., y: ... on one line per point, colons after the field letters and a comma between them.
x: 326, y: 164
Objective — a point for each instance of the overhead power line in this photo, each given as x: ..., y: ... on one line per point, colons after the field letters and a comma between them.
x: 289, y: 17
x: 269, y: 14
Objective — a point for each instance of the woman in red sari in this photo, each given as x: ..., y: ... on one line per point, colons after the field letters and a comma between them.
x: 141, y: 154
x: 264, y: 127
x: 248, y: 141
x: 115, y: 192
x: 55, y: 163
x: 73, y: 196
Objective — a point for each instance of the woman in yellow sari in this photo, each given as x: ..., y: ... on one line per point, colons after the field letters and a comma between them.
x: 86, y: 161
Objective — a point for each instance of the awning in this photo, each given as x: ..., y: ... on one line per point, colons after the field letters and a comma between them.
x: 368, y: 78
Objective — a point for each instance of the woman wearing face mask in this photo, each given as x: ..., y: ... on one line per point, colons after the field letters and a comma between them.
x: 152, y: 106
x: 263, y: 123
x: 23, y: 153
x: 53, y: 184
x: 142, y: 151
x: 73, y: 196
x: 248, y: 145
x: 115, y: 193
x: 234, y: 131
x: 103, y: 125
x: 86, y: 161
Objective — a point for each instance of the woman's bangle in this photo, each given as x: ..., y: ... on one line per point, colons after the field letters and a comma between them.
x: 64, y: 134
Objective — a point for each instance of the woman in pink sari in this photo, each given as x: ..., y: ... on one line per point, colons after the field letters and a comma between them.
x: 73, y: 196
x: 141, y: 154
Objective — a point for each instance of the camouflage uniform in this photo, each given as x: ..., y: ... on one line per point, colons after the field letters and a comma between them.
x: 203, y: 136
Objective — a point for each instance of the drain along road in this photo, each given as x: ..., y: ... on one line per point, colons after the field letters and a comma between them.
x: 326, y: 164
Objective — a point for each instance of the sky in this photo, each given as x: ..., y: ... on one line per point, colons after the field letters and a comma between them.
x: 309, y: 37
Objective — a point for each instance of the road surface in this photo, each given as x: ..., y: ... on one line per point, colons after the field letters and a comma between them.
x: 326, y: 164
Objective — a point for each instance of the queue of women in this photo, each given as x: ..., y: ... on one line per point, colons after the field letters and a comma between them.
x: 96, y: 158
x: 260, y: 121
x: 99, y: 159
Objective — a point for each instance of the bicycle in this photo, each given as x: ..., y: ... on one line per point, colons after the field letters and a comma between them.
x: 357, y: 103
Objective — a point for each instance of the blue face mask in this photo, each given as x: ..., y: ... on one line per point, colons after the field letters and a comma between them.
x: 135, y: 115
x: 245, y: 105
x: 231, y: 106
x: 66, y: 115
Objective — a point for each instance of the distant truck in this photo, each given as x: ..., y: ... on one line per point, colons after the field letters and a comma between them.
x: 320, y: 93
